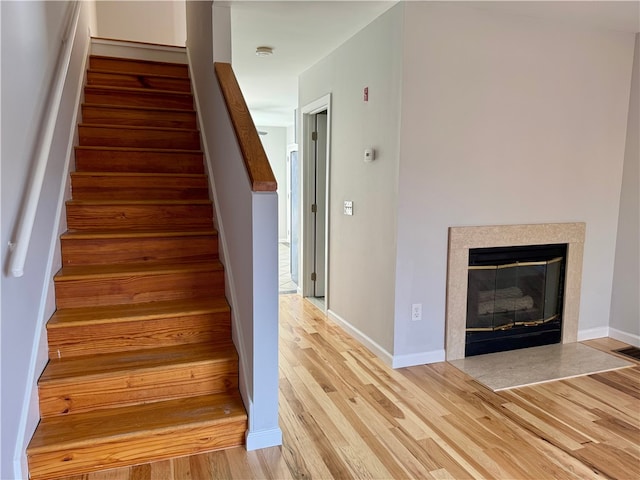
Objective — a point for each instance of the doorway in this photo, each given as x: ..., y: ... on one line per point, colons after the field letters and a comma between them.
x: 316, y: 151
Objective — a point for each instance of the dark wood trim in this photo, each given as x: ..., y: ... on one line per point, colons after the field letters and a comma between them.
x: 255, y: 159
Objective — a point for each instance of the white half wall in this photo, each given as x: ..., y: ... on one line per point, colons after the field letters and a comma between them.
x: 275, y: 146
x: 162, y: 21
x: 362, y: 247
x: 625, y: 300
x: 505, y: 120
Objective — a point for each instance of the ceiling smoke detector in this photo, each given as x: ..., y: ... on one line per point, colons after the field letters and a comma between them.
x: 264, y: 51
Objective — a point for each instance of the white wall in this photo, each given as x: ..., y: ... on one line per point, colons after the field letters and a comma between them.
x: 625, y: 301
x: 275, y: 146
x: 362, y: 246
x: 143, y: 21
x: 505, y: 120
x: 32, y: 33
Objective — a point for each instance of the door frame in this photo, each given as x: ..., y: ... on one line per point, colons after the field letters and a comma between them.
x: 307, y: 151
x: 291, y: 147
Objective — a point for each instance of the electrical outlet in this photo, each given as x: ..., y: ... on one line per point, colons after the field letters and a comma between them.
x: 416, y: 311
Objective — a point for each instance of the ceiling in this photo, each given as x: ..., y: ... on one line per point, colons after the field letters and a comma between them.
x: 301, y: 33
x: 304, y: 31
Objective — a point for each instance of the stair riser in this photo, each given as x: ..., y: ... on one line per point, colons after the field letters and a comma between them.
x: 131, y: 451
x: 138, y: 81
x: 107, y: 96
x: 138, y: 217
x: 72, y: 341
x: 122, y: 388
x: 108, y: 187
x: 96, y: 160
x: 137, y: 67
x: 93, y: 135
x: 138, y: 288
x: 104, y: 251
x: 105, y: 115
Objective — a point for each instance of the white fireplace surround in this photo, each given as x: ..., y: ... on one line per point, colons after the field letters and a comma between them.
x: 461, y: 239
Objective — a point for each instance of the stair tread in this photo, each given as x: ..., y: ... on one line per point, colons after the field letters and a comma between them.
x: 141, y: 107
x: 138, y: 149
x: 136, y: 127
x: 139, y: 60
x: 93, y: 234
x: 65, y: 317
x: 70, y: 370
x: 138, y: 174
x: 139, y: 202
x: 142, y: 91
x: 124, y: 72
x: 138, y: 421
x: 77, y: 272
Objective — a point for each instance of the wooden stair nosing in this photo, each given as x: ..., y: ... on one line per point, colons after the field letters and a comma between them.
x: 139, y: 91
x: 169, y: 110
x: 86, y: 272
x: 137, y: 202
x: 116, y: 64
x: 68, y: 370
x: 141, y: 128
x: 141, y: 311
x: 141, y: 175
x: 171, y: 151
x: 133, y: 73
x: 96, y: 234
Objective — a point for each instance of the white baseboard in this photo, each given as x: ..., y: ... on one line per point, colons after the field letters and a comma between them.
x: 592, y: 333
x: 625, y: 337
x: 394, y: 361
x: 375, y: 348
x: 263, y: 439
x: 138, y: 50
x: 411, y: 359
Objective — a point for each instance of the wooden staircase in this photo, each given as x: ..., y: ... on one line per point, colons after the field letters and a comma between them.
x: 141, y: 362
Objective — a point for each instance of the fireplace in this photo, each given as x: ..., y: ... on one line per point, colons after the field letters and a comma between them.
x: 464, y: 240
x: 514, y: 297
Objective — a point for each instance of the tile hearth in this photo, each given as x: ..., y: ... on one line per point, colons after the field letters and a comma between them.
x: 517, y: 368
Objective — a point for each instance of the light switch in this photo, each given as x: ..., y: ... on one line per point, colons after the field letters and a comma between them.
x: 348, y: 207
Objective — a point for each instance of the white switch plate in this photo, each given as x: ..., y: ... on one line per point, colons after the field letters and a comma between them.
x: 348, y: 207
x: 416, y: 311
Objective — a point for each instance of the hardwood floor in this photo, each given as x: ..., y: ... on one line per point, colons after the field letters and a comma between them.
x: 344, y: 414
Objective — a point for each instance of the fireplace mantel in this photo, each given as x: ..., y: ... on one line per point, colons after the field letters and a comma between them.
x: 461, y: 239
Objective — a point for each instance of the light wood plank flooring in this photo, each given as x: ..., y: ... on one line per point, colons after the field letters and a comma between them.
x: 344, y: 414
